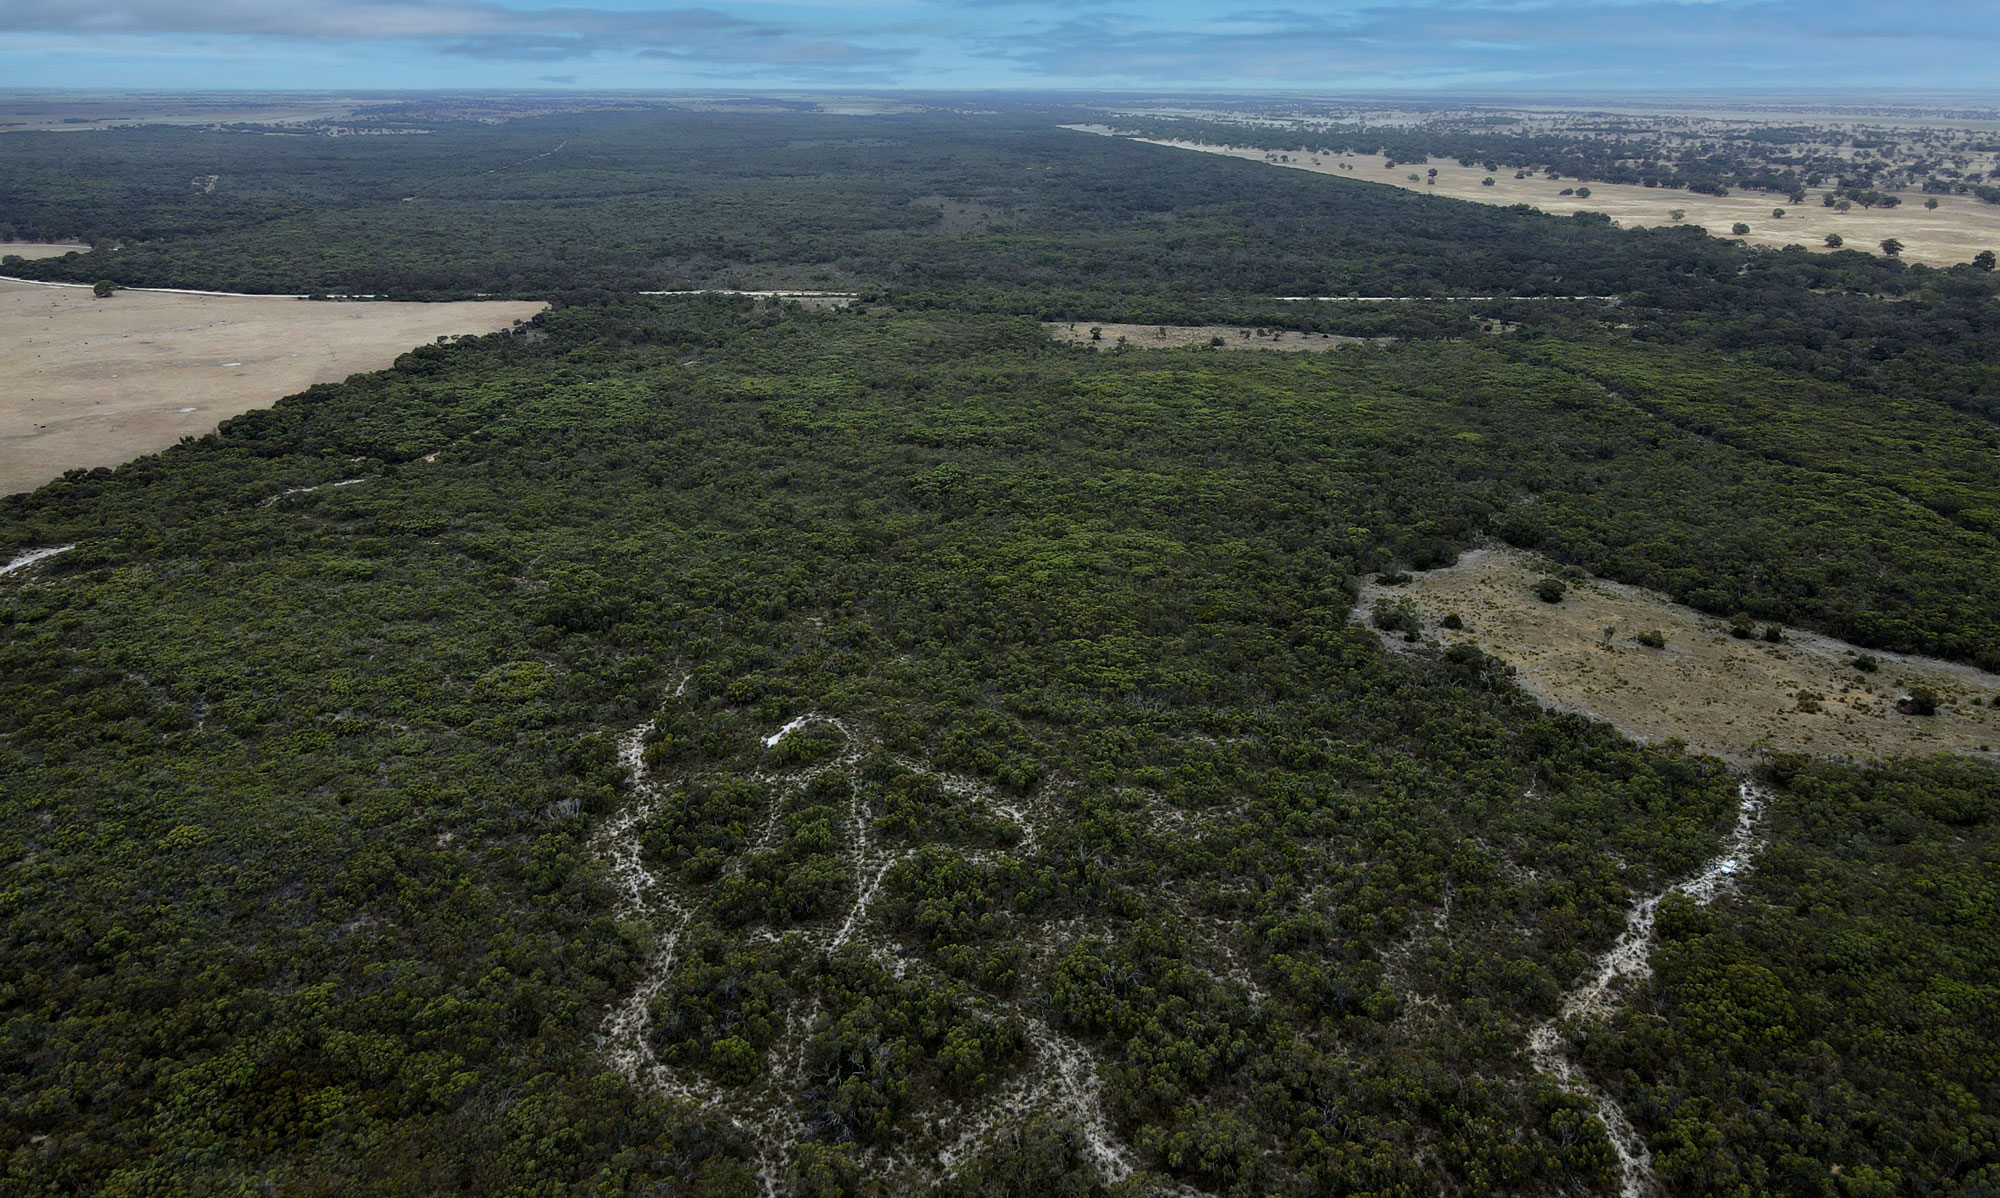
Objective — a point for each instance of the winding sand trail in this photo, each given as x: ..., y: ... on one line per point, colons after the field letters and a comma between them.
x: 1059, y: 1073
x: 1630, y: 958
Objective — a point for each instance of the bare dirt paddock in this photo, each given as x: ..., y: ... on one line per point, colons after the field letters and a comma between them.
x: 1214, y: 336
x: 1720, y: 694
x: 95, y: 382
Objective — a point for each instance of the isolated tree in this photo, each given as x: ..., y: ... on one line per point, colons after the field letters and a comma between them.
x: 1583, y: 193
x: 1931, y: 203
x: 1487, y: 181
x: 1834, y: 241
x: 1891, y: 246
x: 1739, y: 228
x: 1777, y: 214
x: 1983, y: 260
x: 1677, y: 213
x: 103, y: 288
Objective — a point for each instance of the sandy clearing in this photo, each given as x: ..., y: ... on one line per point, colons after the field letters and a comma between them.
x: 40, y: 249
x: 1959, y: 228
x: 1722, y: 695
x: 97, y: 382
x: 1171, y: 336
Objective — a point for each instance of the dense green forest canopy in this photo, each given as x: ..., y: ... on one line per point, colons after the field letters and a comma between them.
x: 1002, y: 212
x: 314, y: 796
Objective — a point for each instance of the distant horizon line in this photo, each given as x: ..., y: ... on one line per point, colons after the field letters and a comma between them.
x: 890, y: 89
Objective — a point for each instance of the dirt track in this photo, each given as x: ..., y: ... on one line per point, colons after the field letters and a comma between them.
x: 95, y: 382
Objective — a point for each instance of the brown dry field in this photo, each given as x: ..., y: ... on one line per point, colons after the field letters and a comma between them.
x: 1959, y: 228
x: 40, y: 249
x: 95, y: 382
x: 1174, y: 336
x: 1733, y: 698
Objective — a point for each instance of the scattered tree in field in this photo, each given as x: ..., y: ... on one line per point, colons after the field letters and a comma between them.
x: 1739, y: 228
x: 1777, y: 214
x: 1834, y: 241
x: 1983, y: 259
x: 1677, y: 213
x: 103, y: 288
x: 1487, y: 181
x: 1931, y: 203
x: 1653, y: 639
x: 1583, y: 193
x: 1891, y: 246
x: 1550, y: 590
x: 1922, y: 700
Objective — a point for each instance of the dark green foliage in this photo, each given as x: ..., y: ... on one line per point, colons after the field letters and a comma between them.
x: 1831, y: 1029
x: 304, y: 794
x: 1652, y: 639
x: 1550, y: 590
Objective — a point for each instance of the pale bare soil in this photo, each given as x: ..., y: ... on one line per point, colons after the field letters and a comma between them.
x: 95, y: 382
x: 40, y: 249
x: 1176, y: 336
x: 1734, y: 698
x: 1960, y: 227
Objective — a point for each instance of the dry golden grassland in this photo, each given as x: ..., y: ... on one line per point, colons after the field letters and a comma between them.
x: 40, y: 249
x: 1960, y: 227
x: 1720, y: 694
x: 95, y: 382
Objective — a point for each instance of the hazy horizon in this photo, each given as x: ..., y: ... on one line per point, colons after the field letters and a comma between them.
x: 1491, y: 46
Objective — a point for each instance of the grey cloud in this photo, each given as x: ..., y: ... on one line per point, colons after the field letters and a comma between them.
x: 1627, y: 41
x: 473, y: 28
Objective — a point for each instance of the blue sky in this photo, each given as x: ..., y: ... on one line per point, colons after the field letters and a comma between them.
x: 1337, y: 45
